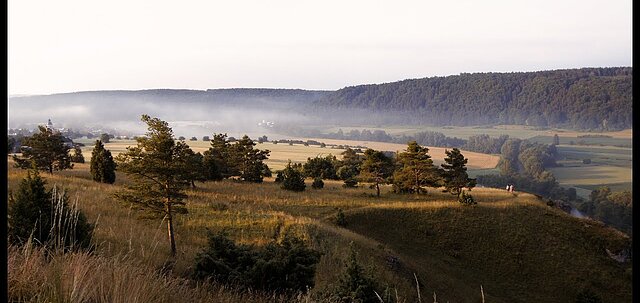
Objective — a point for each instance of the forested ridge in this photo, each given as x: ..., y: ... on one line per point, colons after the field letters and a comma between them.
x: 586, y: 98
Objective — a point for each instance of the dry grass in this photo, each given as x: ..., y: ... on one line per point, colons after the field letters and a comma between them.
x: 38, y: 276
x: 476, y: 160
x: 392, y: 225
x: 282, y: 153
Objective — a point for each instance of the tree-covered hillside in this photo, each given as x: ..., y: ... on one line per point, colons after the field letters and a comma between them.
x: 587, y: 98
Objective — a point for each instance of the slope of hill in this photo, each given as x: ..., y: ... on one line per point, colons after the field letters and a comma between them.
x: 587, y: 98
x: 516, y: 247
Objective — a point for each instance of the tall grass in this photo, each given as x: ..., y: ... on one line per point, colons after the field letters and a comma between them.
x: 427, y: 233
x: 36, y: 275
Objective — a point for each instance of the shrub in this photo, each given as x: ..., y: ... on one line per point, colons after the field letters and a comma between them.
x: 341, y: 219
x: 586, y: 161
x: 46, y: 217
x: 292, y: 179
x: 287, y: 266
x: 466, y: 199
x: 317, y: 183
x: 350, y: 183
x: 279, y: 177
x: 356, y: 284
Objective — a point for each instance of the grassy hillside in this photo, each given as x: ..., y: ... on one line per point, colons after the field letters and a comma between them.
x: 516, y: 247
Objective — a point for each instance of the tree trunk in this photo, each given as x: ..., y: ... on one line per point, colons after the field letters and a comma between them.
x: 378, y: 189
x: 172, y: 241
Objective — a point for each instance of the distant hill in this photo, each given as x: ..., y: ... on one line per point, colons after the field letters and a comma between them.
x: 220, y: 96
x: 584, y: 99
x: 587, y: 98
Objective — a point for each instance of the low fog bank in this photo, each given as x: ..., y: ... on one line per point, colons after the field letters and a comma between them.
x: 277, y: 113
x: 189, y: 113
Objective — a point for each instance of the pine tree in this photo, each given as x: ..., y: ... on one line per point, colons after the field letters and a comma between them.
x: 102, y: 165
x: 46, y: 149
x: 376, y: 168
x: 356, y: 284
x: 77, y: 157
x: 349, y: 167
x: 157, y: 168
x: 194, y: 169
x: 218, y: 159
x: 29, y: 209
x: 416, y: 170
x: 454, y: 173
x: 46, y: 216
x: 249, y: 161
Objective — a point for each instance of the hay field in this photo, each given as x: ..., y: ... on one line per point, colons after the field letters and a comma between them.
x: 516, y: 131
x: 592, y: 175
x: 281, y: 153
x: 476, y: 160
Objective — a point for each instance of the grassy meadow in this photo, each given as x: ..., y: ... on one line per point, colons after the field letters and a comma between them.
x: 513, y: 245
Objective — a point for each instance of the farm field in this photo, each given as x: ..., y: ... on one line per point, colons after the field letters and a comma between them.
x: 610, y: 166
x: 515, y: 131
x: 576, y: 141
x: 282, y: 153
x: 449, y: 247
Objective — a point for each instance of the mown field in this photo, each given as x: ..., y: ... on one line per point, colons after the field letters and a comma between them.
x: 464, y: 132
x: 281, y: 153
x: 610, y: 166
x: 514, y: 246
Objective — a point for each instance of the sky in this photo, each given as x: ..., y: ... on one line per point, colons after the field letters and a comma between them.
x: 79, y: 45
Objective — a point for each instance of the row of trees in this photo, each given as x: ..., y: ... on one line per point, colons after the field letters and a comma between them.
x: 410, y: 171
x: 612, y: 208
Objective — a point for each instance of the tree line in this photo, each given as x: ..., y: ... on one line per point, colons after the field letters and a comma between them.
x: 586, y: 98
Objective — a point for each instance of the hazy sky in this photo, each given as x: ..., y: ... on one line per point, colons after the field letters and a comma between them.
x: 64, y: 46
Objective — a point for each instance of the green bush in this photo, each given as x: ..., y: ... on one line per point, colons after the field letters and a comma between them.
x: 46, y: 217
x: 317, y: 183
x: 285, y: 267
x: 466, y: 199
x: 350, y: 183
x: 292, y: 179
x: 356, y: 284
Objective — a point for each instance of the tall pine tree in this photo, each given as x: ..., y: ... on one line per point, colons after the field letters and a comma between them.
x: 249, y: 160
x: 454, y: 173
x: 157, y: 167
x: 416, y: 170
x: 102, y: 165
x: 376, y: 168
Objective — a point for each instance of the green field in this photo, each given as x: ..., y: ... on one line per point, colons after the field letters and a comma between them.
x: 514, y: 131
x: 619, y: 142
